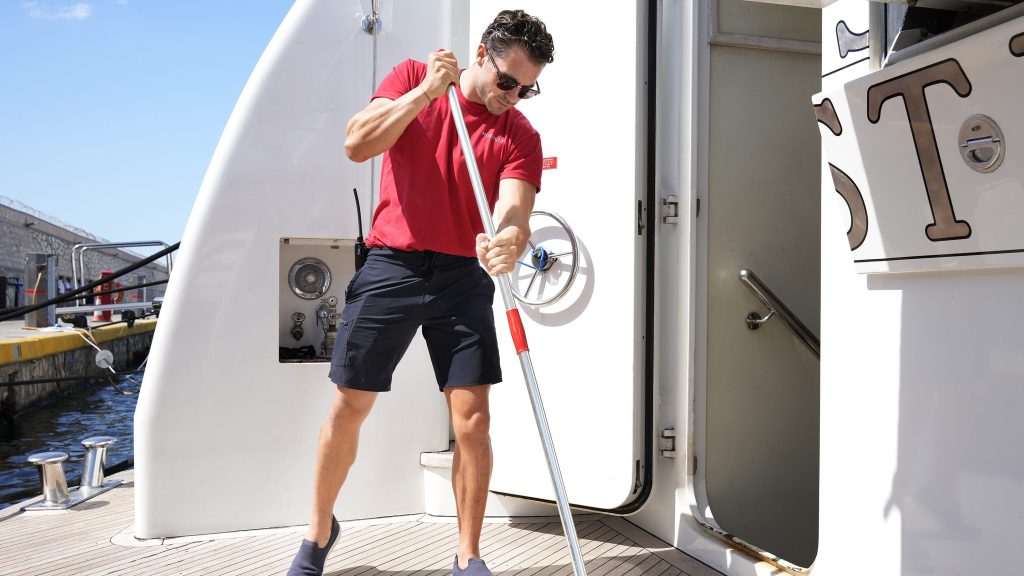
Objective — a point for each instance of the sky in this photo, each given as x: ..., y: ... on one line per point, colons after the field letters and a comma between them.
x: 110, y: 110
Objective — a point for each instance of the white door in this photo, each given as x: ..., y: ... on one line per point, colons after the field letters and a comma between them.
x: 588, y: 348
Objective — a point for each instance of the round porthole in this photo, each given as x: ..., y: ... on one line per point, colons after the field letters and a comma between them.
x: 309, y: 278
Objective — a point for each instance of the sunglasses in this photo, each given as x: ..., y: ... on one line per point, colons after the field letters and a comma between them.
x: 506, y: 82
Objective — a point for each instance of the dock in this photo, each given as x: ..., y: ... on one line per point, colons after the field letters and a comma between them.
x: 37, y: 363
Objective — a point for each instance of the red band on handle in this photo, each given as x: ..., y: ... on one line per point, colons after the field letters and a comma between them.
x: 515, y: 326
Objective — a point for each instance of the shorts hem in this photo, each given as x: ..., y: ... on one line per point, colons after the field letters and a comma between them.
x: 469, y: 383
x: 348, y: 386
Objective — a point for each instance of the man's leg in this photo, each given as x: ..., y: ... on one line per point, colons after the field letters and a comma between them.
x: 471, y: 467
x: 336, y: 451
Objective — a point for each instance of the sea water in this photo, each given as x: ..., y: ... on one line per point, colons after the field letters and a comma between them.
x: 61, y: 425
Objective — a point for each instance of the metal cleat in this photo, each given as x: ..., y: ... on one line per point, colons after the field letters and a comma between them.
x: 56, y: 495
x: 51, y: 475
x: 95, y: 461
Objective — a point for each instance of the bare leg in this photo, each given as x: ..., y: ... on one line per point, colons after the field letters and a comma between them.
x: 336, y: 451
x: 471, y: 466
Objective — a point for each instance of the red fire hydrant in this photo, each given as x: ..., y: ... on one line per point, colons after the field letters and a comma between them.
x: 116, y: 298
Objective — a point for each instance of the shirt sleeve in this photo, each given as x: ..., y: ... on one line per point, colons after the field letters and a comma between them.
x: 402, y: 78
x: 526, y: 159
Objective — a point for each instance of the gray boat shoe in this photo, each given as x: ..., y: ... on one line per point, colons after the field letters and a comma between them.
x: 310, y: 559
x: 476, y: 567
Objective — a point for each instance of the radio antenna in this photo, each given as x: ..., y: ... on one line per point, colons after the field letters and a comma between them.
x: 360, y: 247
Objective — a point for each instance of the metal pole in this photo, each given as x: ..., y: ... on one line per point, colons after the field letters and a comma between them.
x: 51, y: 288
x: 515, y: 325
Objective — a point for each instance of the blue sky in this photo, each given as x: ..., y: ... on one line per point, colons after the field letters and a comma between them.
x: 110, y: 109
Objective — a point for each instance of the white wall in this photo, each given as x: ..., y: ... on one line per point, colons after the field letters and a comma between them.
x: 225, y: 434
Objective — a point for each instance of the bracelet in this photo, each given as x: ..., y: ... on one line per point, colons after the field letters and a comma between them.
x: 429, y: 101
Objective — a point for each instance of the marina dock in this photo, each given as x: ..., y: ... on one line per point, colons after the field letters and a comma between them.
x: 36, y: 363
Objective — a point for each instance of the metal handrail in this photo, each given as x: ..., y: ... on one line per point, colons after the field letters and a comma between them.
x: 75, y: 292
x: 776, y: 306
x: 81, y: 248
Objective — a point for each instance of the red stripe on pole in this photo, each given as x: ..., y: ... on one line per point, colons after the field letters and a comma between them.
x: 515, y: 325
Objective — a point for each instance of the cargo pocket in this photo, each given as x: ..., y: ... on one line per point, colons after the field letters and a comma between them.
x: 352, y: 283
x: 349, y: 315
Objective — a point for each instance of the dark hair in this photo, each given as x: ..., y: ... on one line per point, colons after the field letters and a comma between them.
x: 512, y: 28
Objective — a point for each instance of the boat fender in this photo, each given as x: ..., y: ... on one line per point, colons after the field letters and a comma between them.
x: 104, y: 359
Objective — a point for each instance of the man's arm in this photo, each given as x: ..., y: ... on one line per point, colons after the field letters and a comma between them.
x: 377, y: 127
x: 512, y: 223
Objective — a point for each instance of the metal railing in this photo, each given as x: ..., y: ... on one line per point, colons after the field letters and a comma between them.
x: 76, y: 292
x: 776, y: 306
x: 79, y: 249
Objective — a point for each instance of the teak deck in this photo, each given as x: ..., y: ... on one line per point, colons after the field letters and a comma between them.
x: 95, y: 538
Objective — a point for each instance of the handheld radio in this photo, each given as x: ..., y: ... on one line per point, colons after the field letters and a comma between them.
x: 360, y: 247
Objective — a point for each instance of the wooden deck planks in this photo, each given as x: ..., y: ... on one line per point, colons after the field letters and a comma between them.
x: 78, y: 542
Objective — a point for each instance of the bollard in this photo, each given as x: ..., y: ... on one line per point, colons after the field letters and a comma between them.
x: 51, y: 475
x: 95, y: 461
x: 56, y: 495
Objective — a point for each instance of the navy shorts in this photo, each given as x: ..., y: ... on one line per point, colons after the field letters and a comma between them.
x: 395, y: 293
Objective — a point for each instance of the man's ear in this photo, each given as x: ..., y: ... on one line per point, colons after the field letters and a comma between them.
x: 481, y: 54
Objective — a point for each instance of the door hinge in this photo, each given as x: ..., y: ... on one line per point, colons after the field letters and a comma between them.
x: 670, y: 209
x: 667, y: 443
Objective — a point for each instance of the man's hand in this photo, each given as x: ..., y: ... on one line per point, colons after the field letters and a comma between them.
x: 442, y: 71
x: 498, y: 255
x: 377, y: 127
x: 512, y: 215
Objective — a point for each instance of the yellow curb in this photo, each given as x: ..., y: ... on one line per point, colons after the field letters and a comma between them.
x: 40, y: 344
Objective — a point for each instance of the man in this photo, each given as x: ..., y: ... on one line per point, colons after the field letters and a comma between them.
x: 426, y: 252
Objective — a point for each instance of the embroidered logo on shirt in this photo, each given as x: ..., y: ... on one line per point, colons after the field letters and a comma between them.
x: 498, y: 139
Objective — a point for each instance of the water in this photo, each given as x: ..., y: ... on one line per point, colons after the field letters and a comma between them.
x: 89, y: 410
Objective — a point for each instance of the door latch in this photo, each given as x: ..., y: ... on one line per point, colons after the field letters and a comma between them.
x: 670, y: 209
x: 667, y: 443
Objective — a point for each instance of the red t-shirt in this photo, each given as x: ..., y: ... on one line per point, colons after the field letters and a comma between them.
x: 426, y: 197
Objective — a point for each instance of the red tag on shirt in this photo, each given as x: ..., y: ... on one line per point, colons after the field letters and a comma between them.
x: 550, y: 163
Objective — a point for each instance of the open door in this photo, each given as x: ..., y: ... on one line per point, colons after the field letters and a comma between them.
x: 757, y: 392
x: 588, y: 348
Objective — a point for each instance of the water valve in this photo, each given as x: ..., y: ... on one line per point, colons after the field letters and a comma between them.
x: 298, y: 318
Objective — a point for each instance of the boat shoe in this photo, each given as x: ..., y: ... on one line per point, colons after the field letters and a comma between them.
x: 310, y: 559
x: 476, y: 567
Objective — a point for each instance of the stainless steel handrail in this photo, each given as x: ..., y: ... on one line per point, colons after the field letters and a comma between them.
x: 776, y: 306
x: 81, y: 248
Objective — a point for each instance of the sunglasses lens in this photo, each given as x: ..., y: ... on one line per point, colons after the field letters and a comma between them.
x: 529, y: 91
x: 506, y: 83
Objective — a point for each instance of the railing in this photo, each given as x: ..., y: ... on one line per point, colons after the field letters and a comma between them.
x: 776, y: 306
x: 79, y: 249
x: 8, y: 314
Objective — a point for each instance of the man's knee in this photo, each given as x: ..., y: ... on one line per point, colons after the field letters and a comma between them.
x: 472, y: 426
x: 352, y: 404
x: 471, y: 417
